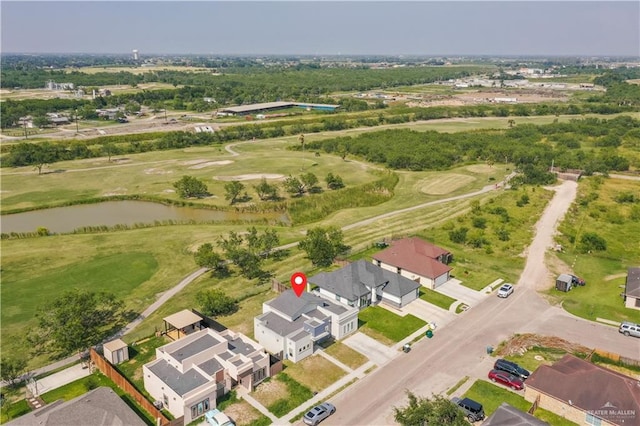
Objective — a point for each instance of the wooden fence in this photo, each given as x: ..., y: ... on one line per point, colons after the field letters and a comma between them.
x: 124, y: 384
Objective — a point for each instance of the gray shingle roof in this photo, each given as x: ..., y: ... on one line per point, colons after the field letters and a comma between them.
x: 99, y: 407
x: 632, y: 285
x: 507, y: 415
x: 179, y: 382
x: 356, y: 279
x: 210, y: 366
x: 239, y: 346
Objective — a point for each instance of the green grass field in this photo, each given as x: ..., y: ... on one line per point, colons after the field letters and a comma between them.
x: 378, y: 322
x: 491, y: 396
x: 441, y: 300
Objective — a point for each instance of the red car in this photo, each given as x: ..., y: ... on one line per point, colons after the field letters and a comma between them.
x: 506, y: 379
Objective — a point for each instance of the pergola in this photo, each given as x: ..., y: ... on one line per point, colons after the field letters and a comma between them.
x: 181, y: 321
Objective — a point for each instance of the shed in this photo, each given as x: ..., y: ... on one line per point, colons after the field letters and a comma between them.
x: 564, y: 282
x: 116, y: 351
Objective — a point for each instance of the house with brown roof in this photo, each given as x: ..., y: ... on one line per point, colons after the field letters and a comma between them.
x: 417, y: 260
x: 585, y: 393
x: 632, y: 289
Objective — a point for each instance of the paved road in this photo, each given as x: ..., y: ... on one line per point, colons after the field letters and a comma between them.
x: 459, y: 349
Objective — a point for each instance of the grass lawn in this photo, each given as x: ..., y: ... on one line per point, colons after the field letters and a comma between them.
x: 596, y: 210
x: 376, y: 322
x: 314, y: 372
x: 282, y: 394
x: 82, y: 386
x: 346, y: 355
x: 140, y: 354
x: 441, y: 300
x: 491, y: 396
x: 13, y: 410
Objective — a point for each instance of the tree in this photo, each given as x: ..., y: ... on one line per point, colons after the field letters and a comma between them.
x: 42, y: 155
x: 216, y: 303
x: 12, y: 368
x: 41, y: 121
x: 266, y: 191
x: 76, y: 321
x: 205, y: 257
x: 459, y: 235
x: 233, y: 190
x: 322, y: 245
x: 511, y: 123
x: 424, y: 411
x: 109, y: 149
x: 189, y: 186
x: 293, y: 186
x: 310, y: 182
x: 132, y: 107
x: 334, y: 181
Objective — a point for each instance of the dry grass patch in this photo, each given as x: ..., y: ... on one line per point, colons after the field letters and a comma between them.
x: 346, y: 355
x: 314, y: 372
x: 444, y: 183
x: 267, y: 393
x: 243, y: 413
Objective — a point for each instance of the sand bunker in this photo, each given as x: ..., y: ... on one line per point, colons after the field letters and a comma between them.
x: 211, y: 163
x: 157, y: 172
x: 250, y: 177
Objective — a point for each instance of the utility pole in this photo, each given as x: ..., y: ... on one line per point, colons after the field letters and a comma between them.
x: 165, y: 115
x: 24, y: 124
x: 77, y: 129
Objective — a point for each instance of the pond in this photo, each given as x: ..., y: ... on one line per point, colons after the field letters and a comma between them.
x: 111, y: 213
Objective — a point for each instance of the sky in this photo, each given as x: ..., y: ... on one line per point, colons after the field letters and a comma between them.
x: 435, y: 28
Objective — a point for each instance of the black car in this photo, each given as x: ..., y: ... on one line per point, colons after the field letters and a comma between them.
x: 472, y: 410
x: 512, y: 368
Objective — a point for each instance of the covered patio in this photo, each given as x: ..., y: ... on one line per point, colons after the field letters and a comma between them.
x: 181, y: 324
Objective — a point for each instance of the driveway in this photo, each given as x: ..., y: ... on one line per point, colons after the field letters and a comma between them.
x: 377, y: 353
x: 426, y: 312
x: 56, y: 380
x: 454, y: 288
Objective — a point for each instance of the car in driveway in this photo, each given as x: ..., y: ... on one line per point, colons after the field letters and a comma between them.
x: 318, y: 413
x: 472, y: 409
x: 505, y: 290
x: 511, y: 368
x: 506, y: 379
x: 630, y: 329
x: 217, y: 418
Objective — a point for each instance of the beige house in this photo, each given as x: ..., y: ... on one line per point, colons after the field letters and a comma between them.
x: 417, y: 260
x: 585, y: 393
x: 190, y: 373
x: 290, y: 326
x: 632, y: 289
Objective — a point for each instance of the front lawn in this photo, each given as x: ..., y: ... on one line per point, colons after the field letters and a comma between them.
x: 314, y: 372
x: 431, y: 296
x: 281, y: 394
x: 346, y: 355
x: 386, y: 326
x: 491, y: 396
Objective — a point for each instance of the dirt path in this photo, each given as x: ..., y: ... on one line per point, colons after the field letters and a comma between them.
x: 536, y: 273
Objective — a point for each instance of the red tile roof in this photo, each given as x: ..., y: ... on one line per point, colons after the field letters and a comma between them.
x: 415, y: 255
x: 607, y: 394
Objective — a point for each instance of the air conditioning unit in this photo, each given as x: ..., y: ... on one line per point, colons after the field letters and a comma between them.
x: 158, y: 404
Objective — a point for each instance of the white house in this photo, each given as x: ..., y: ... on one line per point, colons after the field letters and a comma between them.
x: 290, y: 326
x: 417, y: 260
x: 362, y: 283
x: 190, y: 373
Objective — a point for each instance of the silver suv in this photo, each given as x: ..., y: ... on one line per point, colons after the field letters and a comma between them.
x: 630, y: 329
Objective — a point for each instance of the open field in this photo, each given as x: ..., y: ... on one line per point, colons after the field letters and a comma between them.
x: 346, y: 355
x: 597, y: 211
x: 22, y: 94
x: 281, y: 394
x: 139, y: 70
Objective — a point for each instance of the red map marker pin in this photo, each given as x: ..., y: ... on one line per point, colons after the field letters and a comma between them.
x: 298, y: 283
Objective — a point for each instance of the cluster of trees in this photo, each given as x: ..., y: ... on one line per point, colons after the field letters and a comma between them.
x: 246, y: 252
x: 323, y: 245
x: 522, y: 145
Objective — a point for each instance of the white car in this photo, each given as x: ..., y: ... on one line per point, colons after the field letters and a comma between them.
x: 218, y: 418
x: 505, y: 290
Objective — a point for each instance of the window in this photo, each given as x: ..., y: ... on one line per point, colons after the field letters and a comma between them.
x: 200, y: 408
x: 259, y: 375
x: 399, y: 270
x: 165, y: 399
x: 592, y: 420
